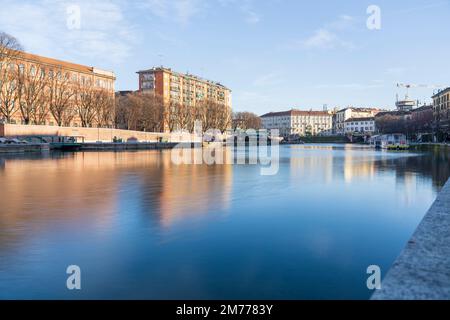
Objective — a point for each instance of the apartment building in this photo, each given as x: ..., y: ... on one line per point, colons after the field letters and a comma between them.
x: 299, y: 122
x: 441, y: 110
x: 182, y: 88
x: 360, y: 125
x: 37, y: 73
x: 348, y: 113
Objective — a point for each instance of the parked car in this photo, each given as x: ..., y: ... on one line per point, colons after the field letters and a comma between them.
x: 14, y: 141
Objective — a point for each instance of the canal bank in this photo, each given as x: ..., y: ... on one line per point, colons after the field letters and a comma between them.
x: 422, y: 271
x: 46, y: 147
x: 24, y: 148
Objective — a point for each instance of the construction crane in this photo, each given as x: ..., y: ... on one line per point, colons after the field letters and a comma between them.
x: 409, y: 86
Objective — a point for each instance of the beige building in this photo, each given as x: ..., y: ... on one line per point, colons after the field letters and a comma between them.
x: 348, y: 113
x: 299, y: 122
x: 38, y: 70
x: 360, y: 125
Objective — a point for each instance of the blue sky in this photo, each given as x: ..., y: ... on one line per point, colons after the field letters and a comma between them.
x: 273, y: 54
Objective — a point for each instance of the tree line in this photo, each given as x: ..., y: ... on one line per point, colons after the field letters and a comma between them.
x: 149, y: 112
x: 404, y: 123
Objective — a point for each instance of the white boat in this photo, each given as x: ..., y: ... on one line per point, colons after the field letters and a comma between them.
x: 394, y: 141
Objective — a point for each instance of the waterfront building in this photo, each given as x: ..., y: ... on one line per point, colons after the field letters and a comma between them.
x: 360, y: 125
x: 29, y: 82
x: 299, y: 122
x: 348, y: 113
x: 441, y: 111
x: 185, y: 89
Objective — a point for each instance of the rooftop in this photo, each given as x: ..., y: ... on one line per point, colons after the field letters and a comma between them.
x: 295, y: 112
x: 360, y: 119
x: 441, y: 92
x: 185, y: 75
x: 360, y: 109
x: 67, y: 65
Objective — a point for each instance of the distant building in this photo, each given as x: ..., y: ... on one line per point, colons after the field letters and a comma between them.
x: 360, y: 125
x: 348, y: 113
x: 123, y: 93
x: 441, y: 111
x: 299, y: 122
x: 405, y: 105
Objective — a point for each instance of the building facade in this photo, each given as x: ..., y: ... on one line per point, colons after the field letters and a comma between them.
x: 25, y: 75
x: 360, y: 125
x: 299, y: 122
x: 182, y: 88
x: 348, y: 113
x: 441, y: 111
x: 406, y: 105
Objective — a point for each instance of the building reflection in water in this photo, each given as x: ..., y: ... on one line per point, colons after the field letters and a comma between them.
x: 325, y: 163
x: 38, y: 192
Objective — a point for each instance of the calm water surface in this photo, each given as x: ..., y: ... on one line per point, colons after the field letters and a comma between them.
x: 142, y: 227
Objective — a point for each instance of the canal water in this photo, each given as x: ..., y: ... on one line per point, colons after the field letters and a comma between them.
x: 141, y: 227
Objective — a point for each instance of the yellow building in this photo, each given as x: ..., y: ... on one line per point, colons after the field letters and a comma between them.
x: 35, y: 75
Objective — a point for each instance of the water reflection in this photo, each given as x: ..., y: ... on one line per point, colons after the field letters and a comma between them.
x: 257, y: 232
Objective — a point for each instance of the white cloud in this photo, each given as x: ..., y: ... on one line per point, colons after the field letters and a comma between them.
x: 252, y: 17
x: 104, y: 33
x: 180, y: 11
x: 245, y: 7
x: 327, y: 36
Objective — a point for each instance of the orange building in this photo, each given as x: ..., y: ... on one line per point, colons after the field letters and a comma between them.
x: 43, y: 68
x: 181, y: 88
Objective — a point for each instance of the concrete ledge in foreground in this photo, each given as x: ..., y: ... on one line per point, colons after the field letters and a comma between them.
x: 422, y: 271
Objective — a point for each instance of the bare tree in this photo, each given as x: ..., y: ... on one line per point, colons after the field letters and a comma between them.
x: 128, y: 113
x: 153, y: 113
x: 10, y: 47
x: 31, y: 90
x: 9, y: 50
x: 8, y: 92
x: 86, y: 104
x: 105, y: 108
x: 246, y: 120
x: 120, y: 112
x: 61, y: 95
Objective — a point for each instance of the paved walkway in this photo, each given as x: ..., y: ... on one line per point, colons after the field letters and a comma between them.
x: 422, y: 271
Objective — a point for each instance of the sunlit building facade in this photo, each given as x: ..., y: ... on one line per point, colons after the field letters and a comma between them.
x: 299, y: 122
x: 40, y: 69
x: 339, y: 125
